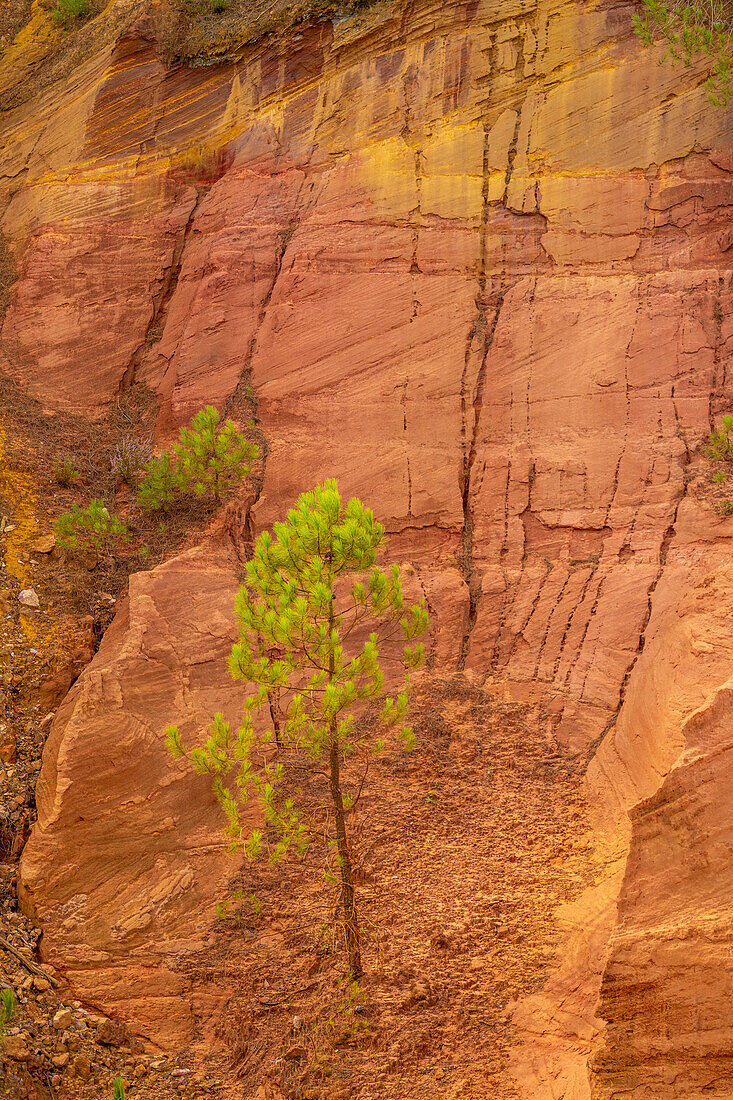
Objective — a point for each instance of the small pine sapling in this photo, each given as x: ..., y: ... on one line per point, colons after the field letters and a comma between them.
x: 90, y: 528
x: 64, y: 470
x: 161, y: 484
x: 213, y: 457
x: 720, y: 446
x: 311, y: 589
x: 210, y: 458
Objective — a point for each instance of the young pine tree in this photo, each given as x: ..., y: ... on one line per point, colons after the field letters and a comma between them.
x: 209, y: 458
x: 310, y: 591
x: 213, y: 457
x: 90, y: 528
x: 161, y: 484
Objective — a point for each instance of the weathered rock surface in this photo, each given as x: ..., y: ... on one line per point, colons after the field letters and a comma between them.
x: 651, y: 934
x: 120, y: 869
x: 477, y: 265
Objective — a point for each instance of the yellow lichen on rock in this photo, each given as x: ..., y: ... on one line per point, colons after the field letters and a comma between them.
x: 16, y: 493
x: 18, y: 497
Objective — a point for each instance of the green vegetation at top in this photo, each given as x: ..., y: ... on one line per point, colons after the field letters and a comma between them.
x: 66, y: 12
x: 690, y: 31
x: 313, y: 613
x: 208, y: 28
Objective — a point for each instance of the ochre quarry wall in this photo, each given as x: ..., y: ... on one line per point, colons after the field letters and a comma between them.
x: 475, y: 260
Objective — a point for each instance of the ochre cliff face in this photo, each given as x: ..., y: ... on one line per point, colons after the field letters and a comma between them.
x: 475, y: 262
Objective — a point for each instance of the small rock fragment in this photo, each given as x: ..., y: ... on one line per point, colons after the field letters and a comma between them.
x: 14, y: 1047
x: 82, y: 1067
x: 43, y: 545
x: 60, y: 1060
x: 62, y: 1019
x: 111, y: 1033
x: 28, y: 597
x: 7, y: 744
x: 295, y: 1053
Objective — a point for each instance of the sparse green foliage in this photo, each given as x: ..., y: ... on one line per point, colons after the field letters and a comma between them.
x: 7, y: 1007
x: 311, y: 591
x: 90, y: 528
x: 690, y: 31
x: 209, y: 459
x: 224, y: 908
x: 64, y: 470
x: 719, y: 450
x: 720, y: 446
x: 219, y: 6
x: 119, y: 1088
x: 161, y: 484
x: 66, y: 11
x: 213, y: 457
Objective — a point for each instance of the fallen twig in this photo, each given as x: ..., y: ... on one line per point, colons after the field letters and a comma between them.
x: 286, y: 996
x: 26, y: 963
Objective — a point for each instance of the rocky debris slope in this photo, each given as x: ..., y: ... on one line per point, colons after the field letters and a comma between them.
x: 475, y: 261
x: 55, y: 1046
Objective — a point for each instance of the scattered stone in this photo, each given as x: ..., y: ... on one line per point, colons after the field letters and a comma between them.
x: 7, y: 744
x: 14, y: 1047
x: 295, y: 1053
x: 62, y: 1019
x: 44, y: 545
x: 60, y: 1060
x: 28, y: 597
x: 82, y: 1067
x: 111, y: 1033
x: 41, y: 985
x: 159, y: 1066
x: 141, y: 1070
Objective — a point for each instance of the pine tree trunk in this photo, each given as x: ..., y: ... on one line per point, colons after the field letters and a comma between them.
x: 351, y: 924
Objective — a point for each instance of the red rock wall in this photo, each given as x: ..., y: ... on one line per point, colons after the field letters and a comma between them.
x: 476, y: 261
